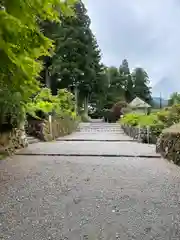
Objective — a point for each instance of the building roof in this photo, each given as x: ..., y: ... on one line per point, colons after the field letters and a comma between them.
x: 139, y: 103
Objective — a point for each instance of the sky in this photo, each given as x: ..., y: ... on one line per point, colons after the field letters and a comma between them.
x: 145, y: 32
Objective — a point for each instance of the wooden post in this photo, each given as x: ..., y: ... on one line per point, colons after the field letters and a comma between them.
x: 50, y: 125
x: 76, y: 100
x: 148, y: 134
x: 139, y: 133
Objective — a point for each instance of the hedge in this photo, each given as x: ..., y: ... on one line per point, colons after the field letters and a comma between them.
x: 165, y: 125
x: 168, y: 144
x: 151, y: 121
x: 155, y: 121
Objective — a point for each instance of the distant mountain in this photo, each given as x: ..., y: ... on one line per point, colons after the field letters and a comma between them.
x: 165, y: 87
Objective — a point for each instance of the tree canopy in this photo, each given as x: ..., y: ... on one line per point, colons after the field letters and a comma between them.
x: 53, y: 39
x: 76, y: 62
x: 23, y: 44
x: 124, y: 85
x: 174, y: 99
x: 141, y: 84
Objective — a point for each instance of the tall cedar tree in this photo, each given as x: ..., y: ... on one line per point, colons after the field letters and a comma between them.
x: 115, y: 91
x: 76, y: 61
x: 141, y: 84
x: 127, y: 80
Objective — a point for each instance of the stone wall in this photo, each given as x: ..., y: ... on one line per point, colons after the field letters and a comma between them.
x: 46, y: 131
x: 12, y: 140
x: 168, y: 144
x: 141, y: 134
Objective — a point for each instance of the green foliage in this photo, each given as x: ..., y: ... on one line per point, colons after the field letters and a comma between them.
x: 77, y: 63
x: 128, y: 85
x: 77, y: 57
x: 163, y: 116
x: 148, y: 120
x: 12, y: 108
x: 131, y: 119
x: 115, y: 91
x: 174, y: 99
x: 135, y: 119
x: 56, y: 35
x: 141, y: 81
x: 156, y: 121
x: 168, y: 144
x: 124, y: 85
x: 151, y: 121
x: 22, y: 45
x: 170, y: 115
x: 60, y: 105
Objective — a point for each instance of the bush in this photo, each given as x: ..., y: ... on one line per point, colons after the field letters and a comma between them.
x: 170, y: 115
x: 44, y: 103
x: 131, y: 119
x: 164, y: 118
x: 116, y: 110
x: 165, y: 121
x: 107, y: 114
x: 11, y: 109
x: 151, y: 121
x: 168, y: 144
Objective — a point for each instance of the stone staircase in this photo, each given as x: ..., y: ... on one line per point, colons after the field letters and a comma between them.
x: 32, y: 139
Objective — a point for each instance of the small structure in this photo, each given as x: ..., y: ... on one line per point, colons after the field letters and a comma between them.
x: 138, y: 105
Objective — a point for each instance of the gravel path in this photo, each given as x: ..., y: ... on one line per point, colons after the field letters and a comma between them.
x: 110, y: 198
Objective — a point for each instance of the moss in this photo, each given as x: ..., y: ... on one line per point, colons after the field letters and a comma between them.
x: 3, y: 156
x: 10, y: 141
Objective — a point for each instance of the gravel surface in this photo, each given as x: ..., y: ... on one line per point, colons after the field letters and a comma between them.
x: 90, y: 198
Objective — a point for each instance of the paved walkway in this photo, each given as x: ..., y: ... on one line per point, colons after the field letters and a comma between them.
x: 94, y: 139
x: 89, y: 197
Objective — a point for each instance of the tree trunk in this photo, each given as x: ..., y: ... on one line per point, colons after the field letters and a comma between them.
x: 76, y: 100
x: 47, y: 79
x: 86, y: 106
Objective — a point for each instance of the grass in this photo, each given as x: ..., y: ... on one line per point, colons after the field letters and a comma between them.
x: 3, y: 156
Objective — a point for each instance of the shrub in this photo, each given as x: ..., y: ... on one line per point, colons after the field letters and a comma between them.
x: 131, y: 119
x: 147, y: 120
x: 107, y: 114
x: 116, y: 110
x: 151, y: 121
x: 168, y: 144
x: 156, y: 128
x: 11, y: 109
x: 62, y: 104
x: 170, y: 115
x: 168, y: 119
